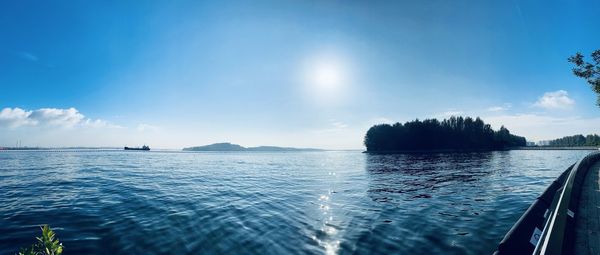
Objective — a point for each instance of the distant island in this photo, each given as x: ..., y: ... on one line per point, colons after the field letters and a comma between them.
x: 455, y: 133
x: 236, y: 147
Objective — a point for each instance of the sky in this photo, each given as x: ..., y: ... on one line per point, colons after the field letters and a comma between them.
x: 174, y: 74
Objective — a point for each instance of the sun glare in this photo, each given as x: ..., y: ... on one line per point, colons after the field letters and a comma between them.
x: 327, y: 76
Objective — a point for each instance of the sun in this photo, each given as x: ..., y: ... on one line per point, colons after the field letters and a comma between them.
x: 327, y: 75
x: 327, y: 78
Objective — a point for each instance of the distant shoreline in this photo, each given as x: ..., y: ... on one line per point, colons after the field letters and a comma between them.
x: 557, y: 148
x: 56, y: 148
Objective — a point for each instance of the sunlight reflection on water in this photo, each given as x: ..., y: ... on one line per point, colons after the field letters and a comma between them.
x: 329, y: 241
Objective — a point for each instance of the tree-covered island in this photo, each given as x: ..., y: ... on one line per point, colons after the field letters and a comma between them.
x: 455, y: 133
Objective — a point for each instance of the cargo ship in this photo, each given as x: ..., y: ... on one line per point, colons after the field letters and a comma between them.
x: 143, y: 148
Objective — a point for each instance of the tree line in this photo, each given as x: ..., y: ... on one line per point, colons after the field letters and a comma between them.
x: 576, y: 140
x: 455, y: 133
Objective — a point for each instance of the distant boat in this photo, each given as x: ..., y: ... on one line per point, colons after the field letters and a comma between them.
x: 144, y: 148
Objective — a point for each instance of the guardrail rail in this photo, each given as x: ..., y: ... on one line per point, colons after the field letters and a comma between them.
x: 548, y: 225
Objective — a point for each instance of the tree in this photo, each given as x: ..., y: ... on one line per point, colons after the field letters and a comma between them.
x: 588, y: 71
x: 455, y: 133
x: 577, y: 140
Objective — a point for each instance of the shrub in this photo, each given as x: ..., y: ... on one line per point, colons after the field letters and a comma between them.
x: 47, y: 244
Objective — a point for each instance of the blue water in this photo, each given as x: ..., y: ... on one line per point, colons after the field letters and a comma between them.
x: 270, y: 203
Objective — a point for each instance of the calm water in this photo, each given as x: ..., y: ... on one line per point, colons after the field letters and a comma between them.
x: 270, y: 203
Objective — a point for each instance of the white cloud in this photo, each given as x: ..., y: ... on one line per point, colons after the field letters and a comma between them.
x: 146, y: 128
x: 380, y: 120
x: 334, y: 126
x: 537, y: 127
x: 496, y: 109
x: 499, y: 108
x: 555, y: 100
x: 57, y: 117
x: 98, y: 123
x: 16, y: 117
x: 71, y: 117
x: 338, y: 124
x: 448, y: 113
x: 28, y: 56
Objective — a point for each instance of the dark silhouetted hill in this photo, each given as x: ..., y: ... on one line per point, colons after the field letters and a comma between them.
x: 236, y: 147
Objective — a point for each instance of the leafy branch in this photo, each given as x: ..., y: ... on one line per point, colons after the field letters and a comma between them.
x: 588, y: 71
x: 47, y: 244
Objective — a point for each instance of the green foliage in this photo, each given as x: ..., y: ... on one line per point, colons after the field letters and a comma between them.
x: 47, y: 244
x: 589, y: 71
x: 577, y: 140
x: 455, y: 133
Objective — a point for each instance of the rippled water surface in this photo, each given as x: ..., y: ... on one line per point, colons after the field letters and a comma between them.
x: 270, y: 203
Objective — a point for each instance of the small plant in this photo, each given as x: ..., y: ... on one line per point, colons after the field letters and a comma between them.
x: 47, y: 244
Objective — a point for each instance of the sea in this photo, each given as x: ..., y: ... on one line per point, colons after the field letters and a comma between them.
x: 320, y: 202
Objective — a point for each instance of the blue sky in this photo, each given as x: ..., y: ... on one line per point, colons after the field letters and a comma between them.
x: 289, y: 73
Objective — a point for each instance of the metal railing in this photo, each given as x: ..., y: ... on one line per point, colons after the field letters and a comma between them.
x: 553, y: 239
